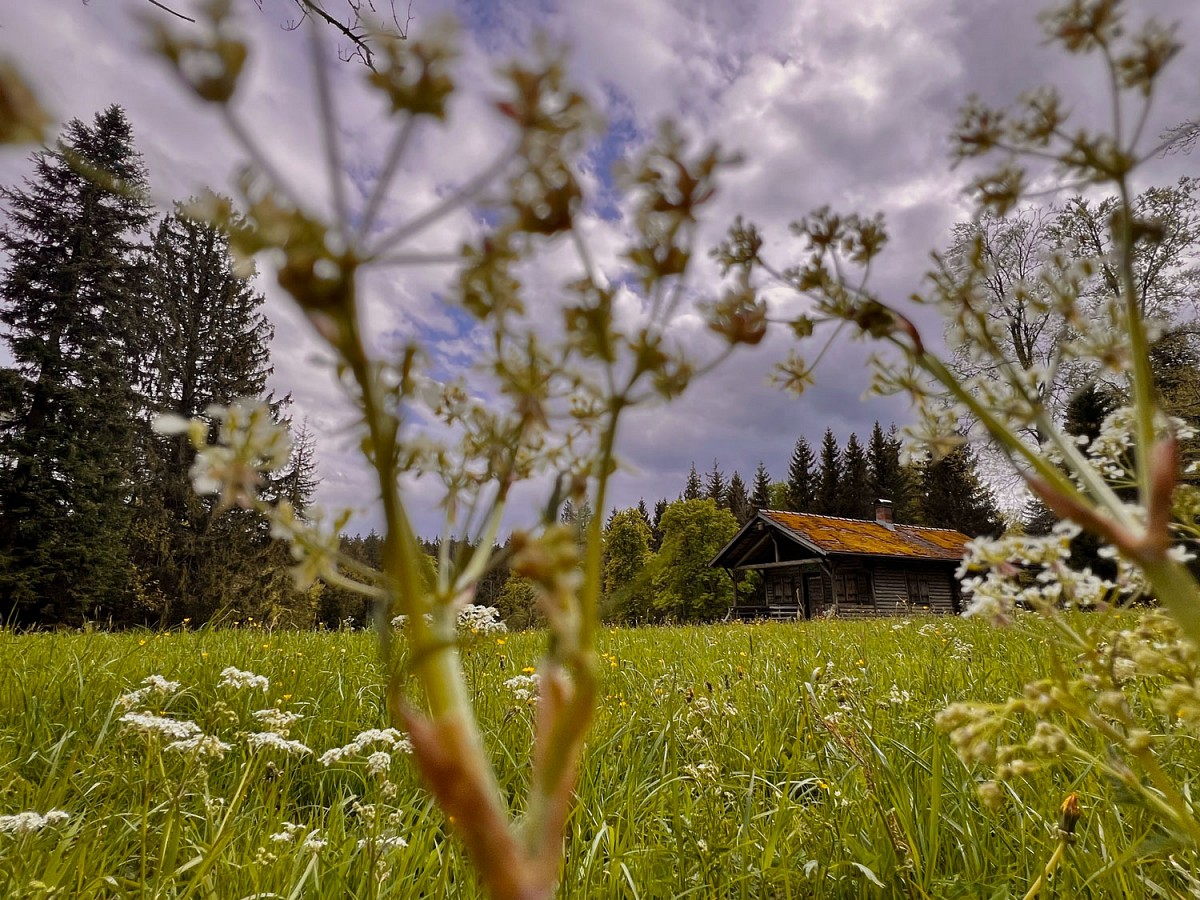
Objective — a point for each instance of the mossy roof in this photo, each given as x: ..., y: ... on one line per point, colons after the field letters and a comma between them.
x: 832, y: 534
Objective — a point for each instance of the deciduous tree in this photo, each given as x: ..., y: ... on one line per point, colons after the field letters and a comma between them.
x: 685, y: 589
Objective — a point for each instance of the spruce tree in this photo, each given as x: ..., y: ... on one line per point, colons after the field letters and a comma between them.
x: 802, y: 478
x: 736, y: 500
x: 829, y: 479
x: 211, y: 346
x: 656, y: 534
x: 715, y: 487
x: 954, y: 496
x: 886, y: 476
x: 693, y: 490
x: 761, y: 498
x: 72, y: 321
x: 643, y: 511
x: 856, y: 499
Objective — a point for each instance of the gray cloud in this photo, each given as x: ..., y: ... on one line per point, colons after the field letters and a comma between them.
x: 831, y: 102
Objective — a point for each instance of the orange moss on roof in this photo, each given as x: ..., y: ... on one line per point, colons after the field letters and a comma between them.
x: 836, y: 535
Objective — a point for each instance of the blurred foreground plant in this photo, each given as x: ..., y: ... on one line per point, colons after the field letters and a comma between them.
x: 544, y: 402
x: 1123, y: 486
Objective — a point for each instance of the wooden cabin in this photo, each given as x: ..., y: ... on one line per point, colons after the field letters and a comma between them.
x: 851, y: 568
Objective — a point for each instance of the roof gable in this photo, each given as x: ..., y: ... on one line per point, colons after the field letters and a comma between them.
x: 831, y: 534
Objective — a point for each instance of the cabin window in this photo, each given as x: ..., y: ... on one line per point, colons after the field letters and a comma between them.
x: 855, y: 587
x: 918, y: 589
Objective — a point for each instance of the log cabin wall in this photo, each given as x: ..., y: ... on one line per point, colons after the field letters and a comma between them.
x: 861, y: 589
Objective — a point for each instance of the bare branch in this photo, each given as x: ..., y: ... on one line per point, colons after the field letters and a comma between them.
x: 353, y: 26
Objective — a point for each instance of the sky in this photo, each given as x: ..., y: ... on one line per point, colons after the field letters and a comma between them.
x: 829, y: 102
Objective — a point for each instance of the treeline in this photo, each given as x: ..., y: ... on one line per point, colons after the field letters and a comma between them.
x: 846, y: 480
x: 113, y: 314
x: 655, y: 565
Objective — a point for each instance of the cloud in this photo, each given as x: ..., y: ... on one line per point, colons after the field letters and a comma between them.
x: 830, y: 102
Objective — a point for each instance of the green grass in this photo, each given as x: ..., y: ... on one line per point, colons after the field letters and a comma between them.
x: 719, y: 766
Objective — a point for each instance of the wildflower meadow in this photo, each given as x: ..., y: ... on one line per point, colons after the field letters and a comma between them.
x: 747, y: 760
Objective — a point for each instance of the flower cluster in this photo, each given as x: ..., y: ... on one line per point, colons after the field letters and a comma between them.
x: 1027, y: 572
x: 31, y: 822
x: 277, y: 720
x: 480, y: 620
x: 250, y: 442
x: 163, y: 726
x: 524, y: 687
x: 155, y: 687
x: 233, y: 677
x: 471, y: 619
x: 201, y: 747
x: 391, y: 738
x: 270, y: 740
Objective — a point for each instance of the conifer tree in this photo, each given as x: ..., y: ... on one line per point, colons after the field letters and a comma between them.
x: 954, y: 496
x: 693, y: 490
x: 211, y: 346
x: 887, y: 477
x: 715, y: 487
x: 856, y: 499
x: 829, y: 479
x: 802, y: 478
x: 71, y: 321
x: 644, y: 512
x: 656, y: 534
x: 761, y: 498
x: 736, y: 500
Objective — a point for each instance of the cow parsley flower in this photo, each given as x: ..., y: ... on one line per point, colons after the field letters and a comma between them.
x: 154, y: 687
x: 269, y: 740
x: 289, y: 834
x: 480, y: 620
x: 383, y: 843
x: 203, y: 746
x: 148, y: 723
x: 524, y: 687
x: 32, y: 822
x: 277, y: 720
x: 235, y: 678
x: 379, y: 762
x: 314, y: 844
x: 388, y: 737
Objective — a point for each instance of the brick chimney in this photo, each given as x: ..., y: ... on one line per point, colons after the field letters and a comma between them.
x: 883, y: 514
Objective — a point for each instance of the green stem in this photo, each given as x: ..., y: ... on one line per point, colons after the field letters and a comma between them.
x: 1176, y: 589
x: 223, y: 836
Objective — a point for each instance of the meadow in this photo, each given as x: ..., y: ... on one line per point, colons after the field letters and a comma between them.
x: 767, y: 760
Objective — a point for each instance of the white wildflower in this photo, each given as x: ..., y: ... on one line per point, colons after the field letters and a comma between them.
x: 147, y: 723
x: 235, y: 678
x: 524, y: 687
x: 379, y: 762
x: 388, y: 737
x: 1181, y: 554
x: 154, y: 687
x: 271, y: 741
x: 31, y: 822
x: 480, y: 620
x: 277, y: 720
x: 383, y: 843
x: 289, y: 834
x: 250, y: 442
x: 204, y: 746
x: 314, y: 844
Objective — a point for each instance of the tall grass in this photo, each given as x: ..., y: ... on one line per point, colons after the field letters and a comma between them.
x: 773, y: 760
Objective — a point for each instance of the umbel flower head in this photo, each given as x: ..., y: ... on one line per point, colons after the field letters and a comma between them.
x: 32, y: 822
x: 250, y: 442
